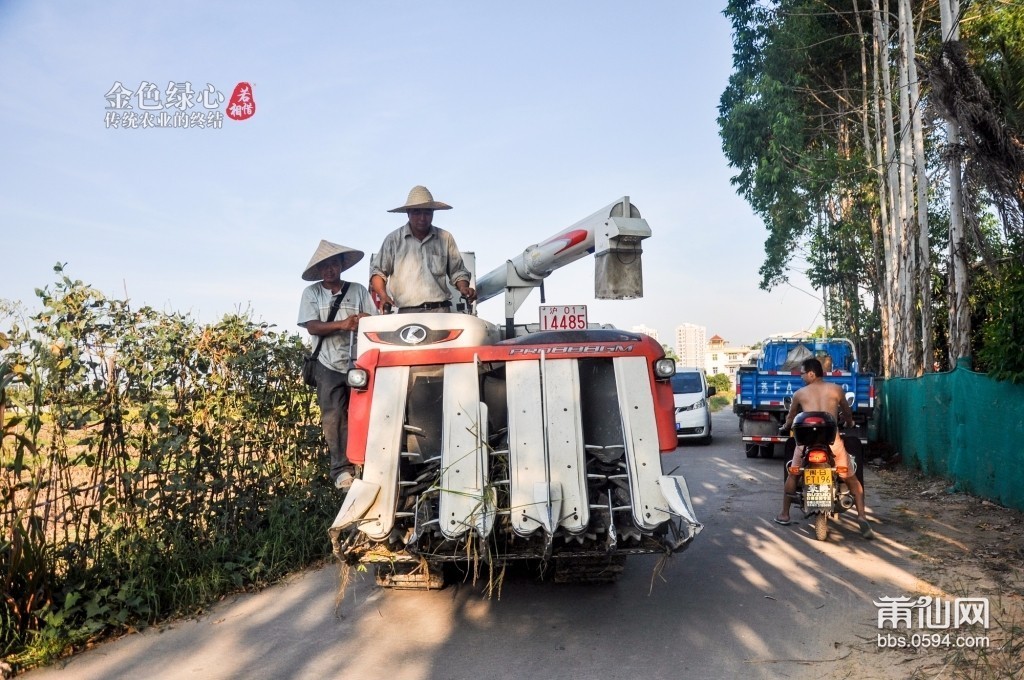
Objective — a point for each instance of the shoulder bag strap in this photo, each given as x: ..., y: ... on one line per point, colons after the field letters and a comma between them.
x: 330, y: 317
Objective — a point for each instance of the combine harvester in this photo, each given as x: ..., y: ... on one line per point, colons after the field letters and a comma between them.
x: 482, y: 444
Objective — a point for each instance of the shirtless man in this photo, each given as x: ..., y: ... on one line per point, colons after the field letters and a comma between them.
x: 818, y: 395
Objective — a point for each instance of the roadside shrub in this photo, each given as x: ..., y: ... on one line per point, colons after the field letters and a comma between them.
x: 719, y: 401
x: 149, y: 465
x: 1003, y: 328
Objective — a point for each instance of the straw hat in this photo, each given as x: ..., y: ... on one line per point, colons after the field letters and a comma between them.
x: 325, y: 251
x: 420, y: 198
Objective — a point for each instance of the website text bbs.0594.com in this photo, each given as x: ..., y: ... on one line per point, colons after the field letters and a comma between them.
x: 931, y: 640
x: 934, y: 617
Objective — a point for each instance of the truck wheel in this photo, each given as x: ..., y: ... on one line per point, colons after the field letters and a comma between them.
x: 751, y: 450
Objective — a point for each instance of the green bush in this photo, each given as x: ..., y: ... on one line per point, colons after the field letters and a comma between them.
x: 149, y: 465
x: 721, y: 383
x: 719, y: 401
x: 1003, y: 329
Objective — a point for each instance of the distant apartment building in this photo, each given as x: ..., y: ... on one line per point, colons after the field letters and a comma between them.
x: 646, y: 330
x: 691, y: 340
x: 725, y: 358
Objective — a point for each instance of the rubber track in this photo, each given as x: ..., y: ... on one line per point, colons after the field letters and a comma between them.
x: 591, y: 569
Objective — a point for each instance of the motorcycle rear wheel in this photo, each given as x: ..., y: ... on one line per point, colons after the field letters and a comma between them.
x: 821, y: 526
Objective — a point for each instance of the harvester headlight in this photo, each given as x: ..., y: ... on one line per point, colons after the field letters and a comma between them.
x: 664, y: 368
x: 358, y: 379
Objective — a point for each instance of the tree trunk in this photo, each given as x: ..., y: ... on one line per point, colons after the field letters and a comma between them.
x: 885, y: 144
x: 906, y: 238
x: 873, y: 153
x: 959, y: 308
x: 899, y: 237
x: 872, y: 263
x: 924, y: 286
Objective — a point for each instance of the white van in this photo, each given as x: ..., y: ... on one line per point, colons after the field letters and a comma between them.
x: 691, y: 392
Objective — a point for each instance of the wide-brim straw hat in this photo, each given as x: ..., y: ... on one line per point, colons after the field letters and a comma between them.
x: 420, y: 198
x: 325, y: 251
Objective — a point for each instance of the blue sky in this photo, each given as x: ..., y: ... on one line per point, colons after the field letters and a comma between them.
x: 526, y: 117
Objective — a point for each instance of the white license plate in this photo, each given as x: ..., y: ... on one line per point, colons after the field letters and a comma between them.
x: 818, y: 496
x: 563, y: 317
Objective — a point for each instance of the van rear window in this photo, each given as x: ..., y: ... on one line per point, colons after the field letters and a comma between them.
x: 686, y: 383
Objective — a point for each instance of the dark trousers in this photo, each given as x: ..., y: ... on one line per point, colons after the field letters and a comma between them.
x: 332, y: 396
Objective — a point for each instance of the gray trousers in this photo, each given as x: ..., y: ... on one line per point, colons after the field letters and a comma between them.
x: 332, y: 397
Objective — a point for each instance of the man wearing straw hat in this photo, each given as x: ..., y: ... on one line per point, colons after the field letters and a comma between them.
x: 336, y: 339
x: 418, y: 260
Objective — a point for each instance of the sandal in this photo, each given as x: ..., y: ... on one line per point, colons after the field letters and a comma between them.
x: 865, y: 529
x: 344, y: 480
x: 783, y: 522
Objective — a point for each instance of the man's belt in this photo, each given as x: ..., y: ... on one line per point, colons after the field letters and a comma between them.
x: 426, y: 306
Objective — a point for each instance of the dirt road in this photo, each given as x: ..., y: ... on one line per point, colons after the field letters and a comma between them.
x: 750, y: 599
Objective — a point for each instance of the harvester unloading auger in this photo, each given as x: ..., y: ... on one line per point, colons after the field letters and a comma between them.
x: 485, y: 443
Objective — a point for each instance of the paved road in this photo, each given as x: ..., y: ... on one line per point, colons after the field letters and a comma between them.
x: 749, y: 599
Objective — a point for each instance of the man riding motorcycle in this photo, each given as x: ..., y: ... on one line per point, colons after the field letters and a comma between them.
x: 819, y: 395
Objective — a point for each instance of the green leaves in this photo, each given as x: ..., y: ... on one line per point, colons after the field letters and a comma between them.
x: 1002, y: 331
x: 798, y: 122
x: 786, y: 119
x: 145, y: 453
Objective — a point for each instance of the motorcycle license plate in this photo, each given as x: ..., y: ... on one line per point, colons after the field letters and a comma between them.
x: 818, y: 476
x: 818, y: 497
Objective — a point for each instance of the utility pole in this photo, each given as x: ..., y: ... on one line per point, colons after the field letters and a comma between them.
x: 824, y: 302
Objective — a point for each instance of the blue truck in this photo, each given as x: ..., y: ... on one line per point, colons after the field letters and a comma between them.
x: 764, y: 391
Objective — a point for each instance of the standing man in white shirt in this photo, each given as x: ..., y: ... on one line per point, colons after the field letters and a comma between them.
x: 337, y: 343
x: 418, y: 260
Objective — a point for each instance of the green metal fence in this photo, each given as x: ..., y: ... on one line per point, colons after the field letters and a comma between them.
x: 962, y: 426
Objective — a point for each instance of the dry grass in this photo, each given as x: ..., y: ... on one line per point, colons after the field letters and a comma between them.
x: 966, y: 547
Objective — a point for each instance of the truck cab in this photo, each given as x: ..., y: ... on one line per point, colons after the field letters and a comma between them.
x: 764, y: 391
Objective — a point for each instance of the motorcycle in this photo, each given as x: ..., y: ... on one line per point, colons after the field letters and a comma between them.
x: 820, y: 489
